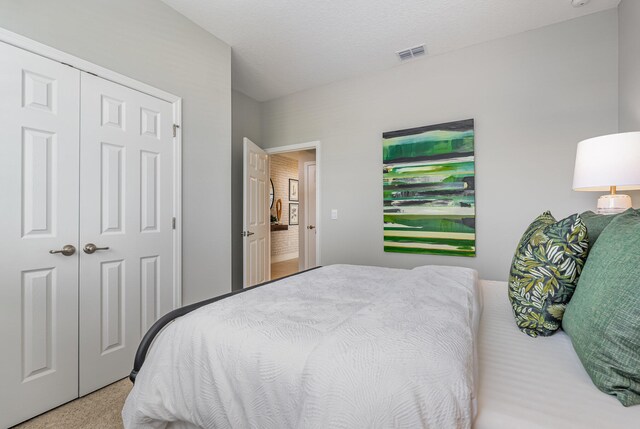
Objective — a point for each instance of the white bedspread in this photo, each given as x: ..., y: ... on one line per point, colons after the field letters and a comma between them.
x: 338, y: 347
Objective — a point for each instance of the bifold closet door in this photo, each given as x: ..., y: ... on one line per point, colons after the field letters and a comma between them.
x: 126, y: 232
x: 39, y: 127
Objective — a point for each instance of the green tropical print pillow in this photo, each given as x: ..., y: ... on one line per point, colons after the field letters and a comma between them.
x: 545, y: 271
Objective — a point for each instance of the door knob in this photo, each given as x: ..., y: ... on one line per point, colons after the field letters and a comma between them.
x: 66, y: 250
x: 247, y: 233
x: 91, y: 248
x: 311, y: 227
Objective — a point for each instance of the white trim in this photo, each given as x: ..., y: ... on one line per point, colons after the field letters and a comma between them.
x: 43, y: 50
x: 177, y: 205
x: 269, y: 258
x: 245, y: 191
x: 294, y: 148
x: 306, y: 146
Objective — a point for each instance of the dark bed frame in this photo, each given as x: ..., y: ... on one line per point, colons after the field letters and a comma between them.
x: 155, y: 329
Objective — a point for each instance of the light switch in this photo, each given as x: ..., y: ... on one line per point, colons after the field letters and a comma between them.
x: 334, y: 213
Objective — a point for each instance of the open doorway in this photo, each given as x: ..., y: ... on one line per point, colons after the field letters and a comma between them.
x: 293, y: 201
x: 294, y: 212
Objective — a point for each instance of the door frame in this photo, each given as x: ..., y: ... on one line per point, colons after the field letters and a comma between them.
x: 316, y: 144
x: 46, y: 51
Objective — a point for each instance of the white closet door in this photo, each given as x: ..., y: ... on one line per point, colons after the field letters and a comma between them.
x: 39, y: 105
x: 126, y: 194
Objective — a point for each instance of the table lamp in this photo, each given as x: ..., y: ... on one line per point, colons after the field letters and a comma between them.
x: 609, y: 163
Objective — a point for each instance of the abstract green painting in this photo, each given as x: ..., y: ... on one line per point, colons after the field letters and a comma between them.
x: 429, y: 190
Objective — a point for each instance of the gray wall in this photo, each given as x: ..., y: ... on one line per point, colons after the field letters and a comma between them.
x: 148, y: 41
x: 629, y: 31
x: 533, y: 96
x: 629, y: 71
x: 246, y: 123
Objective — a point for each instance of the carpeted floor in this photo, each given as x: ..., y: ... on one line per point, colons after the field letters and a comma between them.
x: 99, y: 410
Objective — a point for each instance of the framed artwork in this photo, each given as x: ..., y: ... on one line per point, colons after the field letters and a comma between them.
x: 271, y: 195
x: 429, y: 190
x: 293, y: 190
x: 293, y: 214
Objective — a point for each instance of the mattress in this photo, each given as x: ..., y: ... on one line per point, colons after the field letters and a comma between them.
x: 341, y: 347
x: 513, y: 394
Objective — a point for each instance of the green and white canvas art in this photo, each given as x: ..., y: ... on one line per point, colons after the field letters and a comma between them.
x: 429, y: 190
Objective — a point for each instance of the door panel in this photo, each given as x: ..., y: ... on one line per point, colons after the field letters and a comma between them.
x: 39, y: 127
x: 310, y: 214
x: 256, y: 224
x: 126, y: 190
x: 37, y: 330
x: 149, y: 292
x: 111, y: 182
x: 149, y: 191
x: 112, y: 309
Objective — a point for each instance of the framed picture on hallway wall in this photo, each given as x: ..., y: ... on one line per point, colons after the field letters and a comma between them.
x: 293, y: 190
x: 293, y: 214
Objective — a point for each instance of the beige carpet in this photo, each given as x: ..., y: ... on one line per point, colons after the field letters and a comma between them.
x: 99, y: 410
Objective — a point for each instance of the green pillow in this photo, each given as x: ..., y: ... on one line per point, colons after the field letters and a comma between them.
x: 603, y: 318
x: 596, y: 223
x: 544, y: 272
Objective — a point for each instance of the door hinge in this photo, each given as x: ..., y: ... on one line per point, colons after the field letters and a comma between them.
x: 175, y: 129
x: 173, y: 223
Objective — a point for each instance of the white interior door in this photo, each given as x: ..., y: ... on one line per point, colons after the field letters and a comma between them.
x: 256, y: 221
x: 310, y: 215
x: 126, y: 194
x: 39, y: 105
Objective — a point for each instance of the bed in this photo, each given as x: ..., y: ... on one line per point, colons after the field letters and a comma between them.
x: 536, y: 383
x: 511, y: 392
x: 342, y: 346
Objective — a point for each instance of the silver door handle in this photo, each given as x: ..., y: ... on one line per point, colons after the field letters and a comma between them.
x: 91, y: 248
x: 66, y: 250
x: 247, y: 233
x: 311, y: 227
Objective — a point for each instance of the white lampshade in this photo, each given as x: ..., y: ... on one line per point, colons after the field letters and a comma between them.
x: 612, y: 160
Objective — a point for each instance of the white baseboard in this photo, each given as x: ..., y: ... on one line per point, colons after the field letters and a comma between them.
x: 284, y: 257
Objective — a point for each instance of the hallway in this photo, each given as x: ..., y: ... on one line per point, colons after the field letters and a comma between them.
x: 284, y: 268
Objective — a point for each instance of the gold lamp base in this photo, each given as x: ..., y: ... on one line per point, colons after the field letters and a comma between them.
x: 613, y: 203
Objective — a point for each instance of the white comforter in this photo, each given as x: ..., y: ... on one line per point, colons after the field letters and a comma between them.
x: 338, y: 347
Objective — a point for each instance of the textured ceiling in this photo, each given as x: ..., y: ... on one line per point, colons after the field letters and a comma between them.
x: 284, y: 46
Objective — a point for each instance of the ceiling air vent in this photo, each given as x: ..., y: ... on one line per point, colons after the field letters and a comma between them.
x: 407, y: 54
